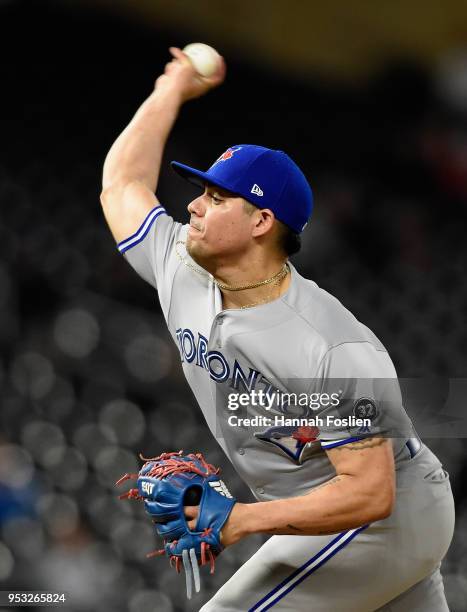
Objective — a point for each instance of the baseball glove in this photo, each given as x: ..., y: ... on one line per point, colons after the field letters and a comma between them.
x: 168, y: 483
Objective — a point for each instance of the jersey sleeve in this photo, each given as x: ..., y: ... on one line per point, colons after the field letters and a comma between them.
x: 359, y: 385
x: 151, y: 250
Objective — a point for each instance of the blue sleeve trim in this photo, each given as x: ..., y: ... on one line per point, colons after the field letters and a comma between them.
x: 334, y: 443
x: 141, y: 233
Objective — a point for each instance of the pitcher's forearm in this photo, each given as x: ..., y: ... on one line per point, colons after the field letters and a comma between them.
x: 342, y: 503
x: 137, y: 153
x: 132, y: 167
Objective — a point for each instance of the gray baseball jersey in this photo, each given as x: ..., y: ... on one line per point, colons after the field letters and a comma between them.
x: 313, y: 378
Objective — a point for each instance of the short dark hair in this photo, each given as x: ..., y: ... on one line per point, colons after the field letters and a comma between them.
x: 289, y: 241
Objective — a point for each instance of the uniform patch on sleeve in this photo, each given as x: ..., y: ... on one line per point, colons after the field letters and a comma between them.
x: 365, y: 408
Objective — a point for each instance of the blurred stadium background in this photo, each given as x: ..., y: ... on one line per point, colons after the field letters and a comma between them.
x: 369, y: 98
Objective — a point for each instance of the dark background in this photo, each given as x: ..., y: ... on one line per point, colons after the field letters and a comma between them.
x: 88, y: 374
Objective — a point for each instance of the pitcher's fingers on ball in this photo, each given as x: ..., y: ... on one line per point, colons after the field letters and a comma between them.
x: 179, y: 55
x: 217, y: 78
x: 221, y: 71
x: 206, y: 61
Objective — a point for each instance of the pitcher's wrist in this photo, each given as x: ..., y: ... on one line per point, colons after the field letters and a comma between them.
x: 167, y: 92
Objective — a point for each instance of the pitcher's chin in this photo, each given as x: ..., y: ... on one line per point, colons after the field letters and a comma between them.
x: 197, y: 253
x: 192, y: 247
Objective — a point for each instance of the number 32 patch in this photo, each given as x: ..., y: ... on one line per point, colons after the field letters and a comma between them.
x: 365, y: 408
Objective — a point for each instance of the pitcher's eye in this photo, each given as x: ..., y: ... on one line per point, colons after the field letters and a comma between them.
x: 215, y: 199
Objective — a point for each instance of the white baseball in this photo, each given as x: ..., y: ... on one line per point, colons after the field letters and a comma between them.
x: 204, y: 58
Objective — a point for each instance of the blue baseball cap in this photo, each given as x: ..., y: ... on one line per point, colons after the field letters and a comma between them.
x: 265, y: 177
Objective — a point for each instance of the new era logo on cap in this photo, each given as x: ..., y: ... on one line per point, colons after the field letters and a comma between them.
x: 256, y: 189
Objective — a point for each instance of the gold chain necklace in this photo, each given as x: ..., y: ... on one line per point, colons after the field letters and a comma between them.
x: 275, y: 280
x: 268, y: 298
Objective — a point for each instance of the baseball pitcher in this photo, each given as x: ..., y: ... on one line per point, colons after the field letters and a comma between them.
x: 301, y: 396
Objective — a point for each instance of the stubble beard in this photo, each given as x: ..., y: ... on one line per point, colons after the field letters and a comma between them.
x: 193, y: 250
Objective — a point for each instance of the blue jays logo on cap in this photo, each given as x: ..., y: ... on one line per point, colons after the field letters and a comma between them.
x: 265, y: 177
x: 226, y: 155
